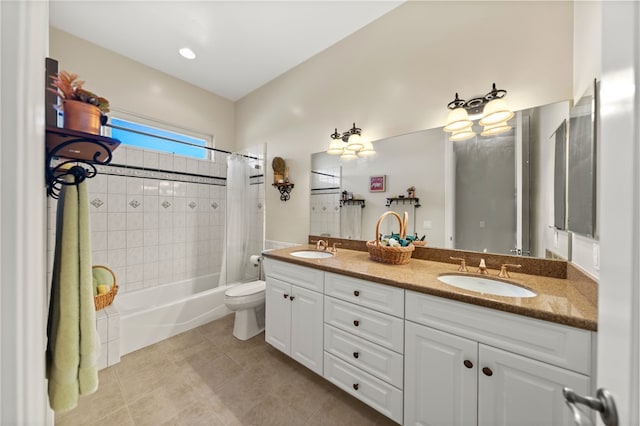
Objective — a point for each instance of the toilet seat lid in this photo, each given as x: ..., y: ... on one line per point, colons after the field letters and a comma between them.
x: 246, y: 289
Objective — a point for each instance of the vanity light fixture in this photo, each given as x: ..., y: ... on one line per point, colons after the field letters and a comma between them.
x: 350, y: 145
x: 492, y: 106
x: 187, y: 53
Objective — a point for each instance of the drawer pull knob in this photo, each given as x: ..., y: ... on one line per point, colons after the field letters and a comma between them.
x: 356, y: 386
x: 487, y: 371
x: 356, y: 293
x: 286, y: 296
x: 468, y: 363
x: 356, y: 355
x: 356, y: 323
x: 291, y: 297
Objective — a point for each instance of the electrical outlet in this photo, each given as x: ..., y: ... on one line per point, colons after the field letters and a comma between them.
x: 482, y: 224
x: 427, y: 224
x: 555, y: 239
x: 596, y: 256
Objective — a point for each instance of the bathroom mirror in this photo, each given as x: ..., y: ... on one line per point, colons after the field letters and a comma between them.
x: 581, y: 176
x: 493, y: 194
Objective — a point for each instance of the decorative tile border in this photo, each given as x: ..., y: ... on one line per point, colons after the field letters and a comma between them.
x: 160, y: 175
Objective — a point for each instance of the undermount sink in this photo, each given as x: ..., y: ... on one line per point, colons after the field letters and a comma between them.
x: 486, y: 285
x: 311, y: 254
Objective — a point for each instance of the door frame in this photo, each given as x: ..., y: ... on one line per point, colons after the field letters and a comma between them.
x: 618, y: 367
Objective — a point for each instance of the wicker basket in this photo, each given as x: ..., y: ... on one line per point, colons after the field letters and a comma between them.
x: 103, y: 300
x: 392, y: 255
x: 419, y: 243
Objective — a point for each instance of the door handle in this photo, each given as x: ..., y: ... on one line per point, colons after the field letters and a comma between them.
x: 602, y: 403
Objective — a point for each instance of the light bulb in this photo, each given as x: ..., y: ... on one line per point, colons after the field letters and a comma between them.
x: 187, y: 53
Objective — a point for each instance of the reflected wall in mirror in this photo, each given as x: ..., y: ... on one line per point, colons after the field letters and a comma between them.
x: 560, y: 176
x: 581, y: 177
x: 493, y: 194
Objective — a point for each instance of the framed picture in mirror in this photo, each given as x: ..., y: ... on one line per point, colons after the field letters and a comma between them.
x: 581, y: 164
x: 377, y: 183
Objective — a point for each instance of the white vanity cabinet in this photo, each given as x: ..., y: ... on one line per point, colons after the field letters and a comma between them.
x: 467, y: 365
x: 294, y: 312
x: 364, y: 341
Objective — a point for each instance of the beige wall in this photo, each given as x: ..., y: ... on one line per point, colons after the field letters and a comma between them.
x: 134, y: 87
x: 396, y: 76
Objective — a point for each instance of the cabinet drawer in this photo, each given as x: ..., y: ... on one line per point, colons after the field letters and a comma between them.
x: 373, y: 392
x: 376, y: 296
x: 556, y: 344
x: 376, y: 360
x: 371, y: 325
x: 310, y: 278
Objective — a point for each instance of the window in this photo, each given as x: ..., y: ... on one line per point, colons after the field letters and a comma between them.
x: 149, y: 137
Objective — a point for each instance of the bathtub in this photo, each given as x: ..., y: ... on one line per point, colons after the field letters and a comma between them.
x: 153, y: 314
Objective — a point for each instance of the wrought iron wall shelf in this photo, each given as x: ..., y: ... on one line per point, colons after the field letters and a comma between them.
x: 74, y: 153
x: 285, y: 190
x: 354, y: 201
x: 411, y: 200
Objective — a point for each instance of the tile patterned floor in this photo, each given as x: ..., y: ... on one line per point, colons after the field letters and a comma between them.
x: 207, y: 377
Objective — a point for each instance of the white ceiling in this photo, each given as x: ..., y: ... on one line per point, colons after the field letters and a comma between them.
x: 240, y: 45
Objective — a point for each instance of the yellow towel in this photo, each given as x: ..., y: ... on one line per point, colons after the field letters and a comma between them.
x: 72, y: 337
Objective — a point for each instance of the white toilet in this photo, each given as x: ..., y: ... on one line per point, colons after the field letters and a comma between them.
x: 247, y: 301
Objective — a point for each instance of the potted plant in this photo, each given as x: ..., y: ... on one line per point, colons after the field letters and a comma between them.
x: 82, y: 110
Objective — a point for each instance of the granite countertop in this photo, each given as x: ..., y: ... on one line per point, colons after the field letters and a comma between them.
x: 565, y: 301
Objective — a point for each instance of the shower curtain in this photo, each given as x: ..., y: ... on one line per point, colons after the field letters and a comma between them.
x: 236, y: 254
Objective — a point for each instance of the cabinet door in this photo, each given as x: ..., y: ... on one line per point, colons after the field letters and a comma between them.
x: 522, y: 391
x: 307, y: 328
x: 439, y: 388
x: 278, y: 315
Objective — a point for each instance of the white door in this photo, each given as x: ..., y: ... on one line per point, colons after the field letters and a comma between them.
x: 441, y: 376
x: 278, y: 315
x: 516, y: 390
x: 619, y: 210
x: 307, y: 328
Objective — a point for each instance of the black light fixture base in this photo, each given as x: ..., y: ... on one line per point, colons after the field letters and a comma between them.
x: 476, y: 105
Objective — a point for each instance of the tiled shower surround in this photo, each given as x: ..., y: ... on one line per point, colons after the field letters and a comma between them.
x: 160, y: 221
x: 325, y: 202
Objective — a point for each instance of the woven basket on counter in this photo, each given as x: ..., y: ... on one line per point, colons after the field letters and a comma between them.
x: 103, y: 300
x: 386, y: 254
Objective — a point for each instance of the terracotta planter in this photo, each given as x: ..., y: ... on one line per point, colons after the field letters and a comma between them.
x: 81, y: 116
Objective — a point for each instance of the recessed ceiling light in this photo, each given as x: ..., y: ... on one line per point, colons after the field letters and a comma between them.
x: 187, y: 53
